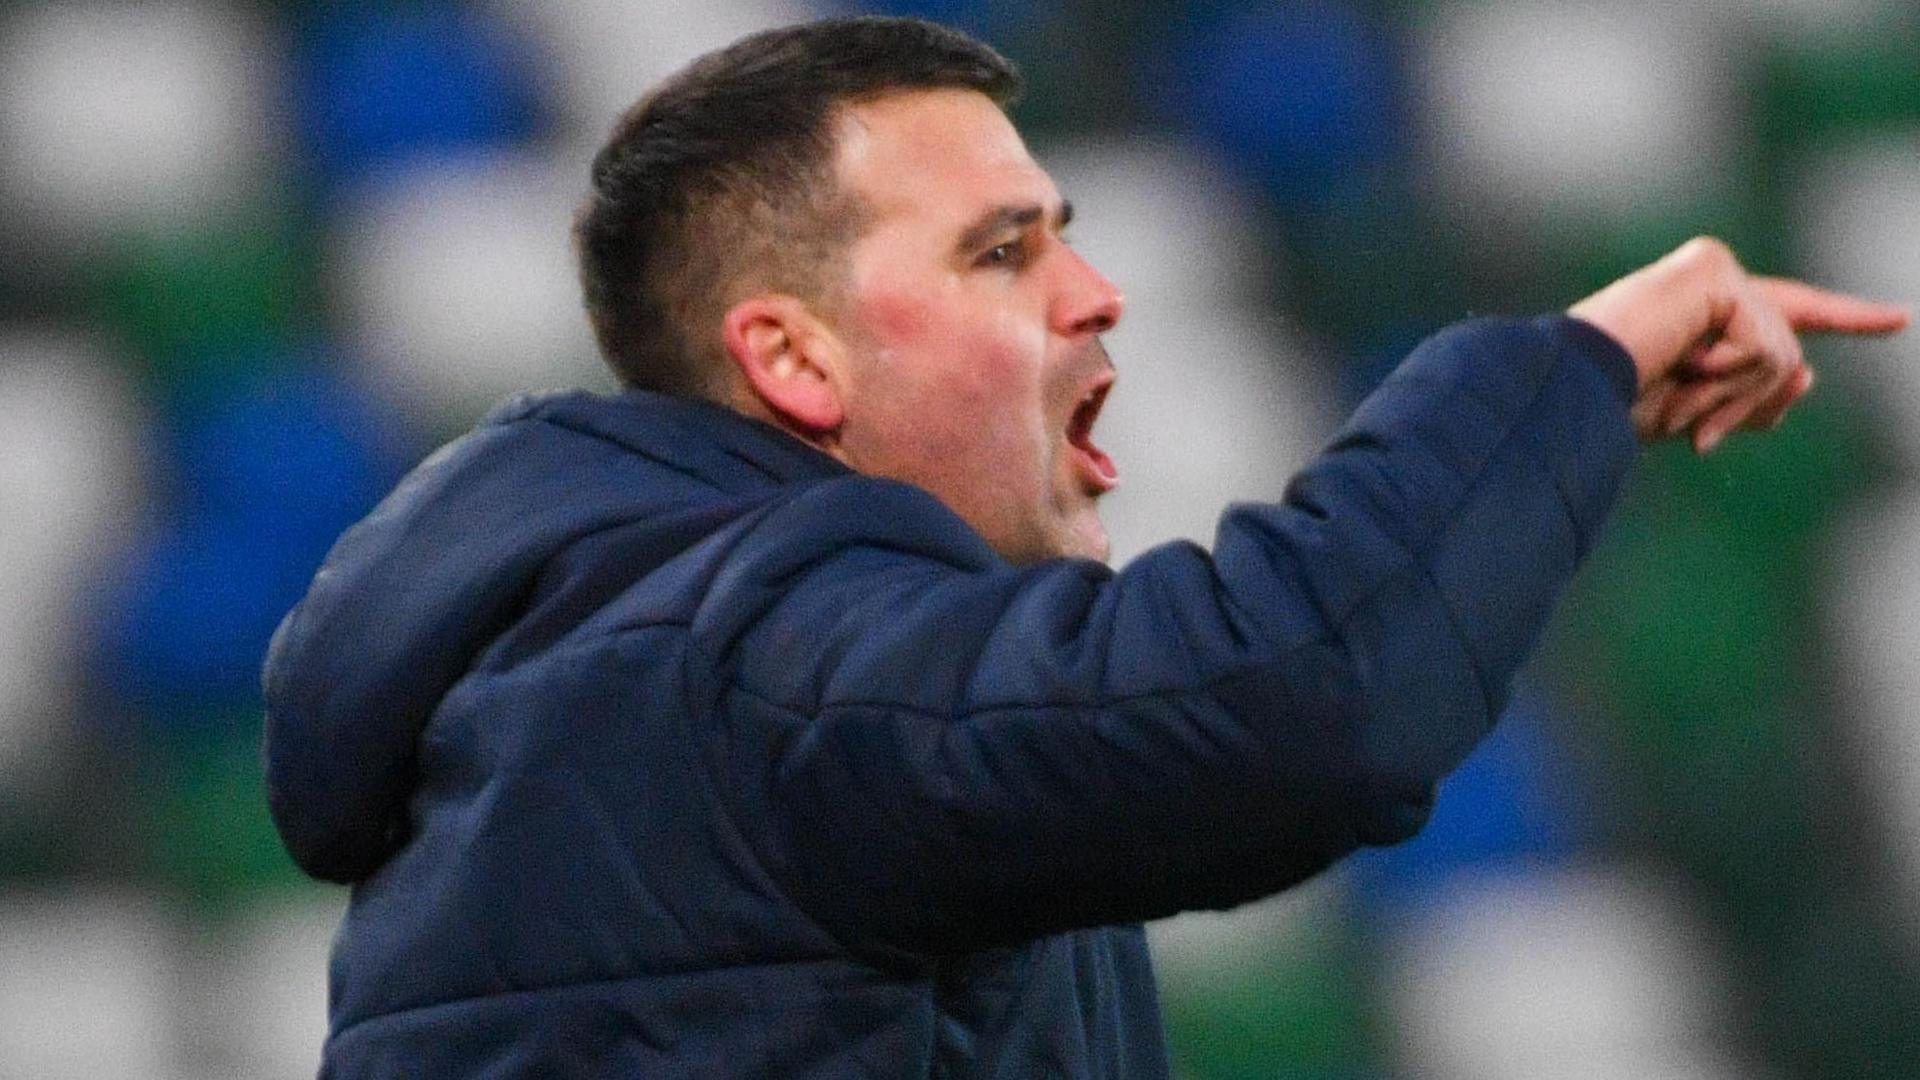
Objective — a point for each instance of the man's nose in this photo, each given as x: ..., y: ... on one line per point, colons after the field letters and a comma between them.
x: 1090, y: 304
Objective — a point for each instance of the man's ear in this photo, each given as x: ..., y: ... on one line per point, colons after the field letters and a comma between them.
x: 790, y: 360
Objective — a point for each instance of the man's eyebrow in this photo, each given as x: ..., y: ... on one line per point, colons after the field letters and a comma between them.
x: 1002, y: 219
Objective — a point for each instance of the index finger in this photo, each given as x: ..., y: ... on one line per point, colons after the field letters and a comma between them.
x: 1811, y: 308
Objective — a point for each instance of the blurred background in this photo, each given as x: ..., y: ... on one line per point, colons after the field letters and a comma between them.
x: 257, y: 259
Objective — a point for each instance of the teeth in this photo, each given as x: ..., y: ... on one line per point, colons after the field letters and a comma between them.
x: 1080, y: 424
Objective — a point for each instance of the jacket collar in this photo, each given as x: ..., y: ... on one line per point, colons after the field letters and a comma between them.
x: 712, y: 442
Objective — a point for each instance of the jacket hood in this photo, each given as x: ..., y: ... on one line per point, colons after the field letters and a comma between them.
x: 446, y: 570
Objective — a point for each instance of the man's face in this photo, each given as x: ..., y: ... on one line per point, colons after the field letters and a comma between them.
x: 974, y: 367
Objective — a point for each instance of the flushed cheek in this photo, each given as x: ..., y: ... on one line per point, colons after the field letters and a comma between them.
x: 1003, y: 394
x: 975, y: 425
x: 960, y: 382
x: 895, y: 319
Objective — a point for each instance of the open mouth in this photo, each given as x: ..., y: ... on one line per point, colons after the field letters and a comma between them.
x: 1097, y: 468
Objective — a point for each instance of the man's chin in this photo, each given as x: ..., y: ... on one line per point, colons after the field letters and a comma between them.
x: 1087, y: 539
x: 1069, y: 541
x: 1076, y: 534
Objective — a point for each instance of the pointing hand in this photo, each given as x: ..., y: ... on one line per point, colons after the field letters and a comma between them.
x: 1717, y: 348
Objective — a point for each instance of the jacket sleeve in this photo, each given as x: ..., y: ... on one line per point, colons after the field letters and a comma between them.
x: 932, y: 751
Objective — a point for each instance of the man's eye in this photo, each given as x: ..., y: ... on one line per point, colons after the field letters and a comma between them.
x: 1008, y: 254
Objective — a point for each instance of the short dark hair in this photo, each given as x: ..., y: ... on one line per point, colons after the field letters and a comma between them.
x: 723, y: 174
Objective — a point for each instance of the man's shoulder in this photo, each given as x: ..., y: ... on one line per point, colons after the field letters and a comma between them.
x: 671, y: 512
x: 740, y: 558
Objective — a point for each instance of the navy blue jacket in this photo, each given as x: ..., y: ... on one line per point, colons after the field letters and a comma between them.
x: 657, y: 744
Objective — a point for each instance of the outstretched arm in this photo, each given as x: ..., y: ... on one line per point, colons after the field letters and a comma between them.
x: 937, y: 752
x: 934, y: 751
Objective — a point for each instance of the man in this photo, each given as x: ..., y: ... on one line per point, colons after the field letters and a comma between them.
x: 774, y: 718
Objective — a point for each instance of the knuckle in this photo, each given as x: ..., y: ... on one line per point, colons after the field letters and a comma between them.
x: 1710, y: 250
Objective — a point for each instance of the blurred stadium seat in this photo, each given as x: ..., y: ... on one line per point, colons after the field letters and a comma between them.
x: 255, y: 260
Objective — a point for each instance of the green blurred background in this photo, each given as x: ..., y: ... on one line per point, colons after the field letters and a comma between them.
x: 256, y: 260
